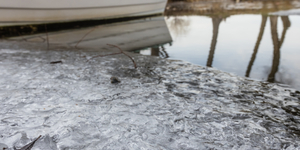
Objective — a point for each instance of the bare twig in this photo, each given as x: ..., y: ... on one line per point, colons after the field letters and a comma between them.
x: 30, y: 145
x: 106, y: 55
x: 124, y: 54
x: 84, y: 36
x: 42, y: 38
x: 47, y: 36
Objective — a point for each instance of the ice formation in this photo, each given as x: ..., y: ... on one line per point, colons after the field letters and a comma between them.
x: 164, y: 104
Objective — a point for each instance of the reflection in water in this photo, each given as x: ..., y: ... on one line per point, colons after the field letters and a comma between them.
x: 260, y: 35
x: 130, y: 35
x: 277, y: 44
x: 216, y: 23
x: 229, y: 7
x: 178, y: 26
x: 155, y: 51
x: 286, y: 24
x: 159, y: 51
x: 225, y: 9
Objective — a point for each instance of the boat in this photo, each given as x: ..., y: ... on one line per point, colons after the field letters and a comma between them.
x: 16, y: 12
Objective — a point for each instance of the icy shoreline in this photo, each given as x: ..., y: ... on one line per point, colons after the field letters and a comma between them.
x: 163, y: 104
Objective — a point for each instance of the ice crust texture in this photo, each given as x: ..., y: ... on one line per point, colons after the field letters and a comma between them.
x: 164, y: 104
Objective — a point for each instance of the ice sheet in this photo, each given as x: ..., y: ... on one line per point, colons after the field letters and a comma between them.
x: 163, y: 104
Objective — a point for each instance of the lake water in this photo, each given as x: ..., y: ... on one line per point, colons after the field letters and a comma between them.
x: 240, y: 45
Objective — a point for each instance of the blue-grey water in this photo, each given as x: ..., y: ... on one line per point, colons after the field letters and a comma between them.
x: 235, y: 44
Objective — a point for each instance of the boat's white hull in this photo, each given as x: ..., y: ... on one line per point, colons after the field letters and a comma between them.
x: 58, y: 13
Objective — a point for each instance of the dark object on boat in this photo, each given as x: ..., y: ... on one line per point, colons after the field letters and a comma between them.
x: 30, y: 145
x: 56, y: 62
x: 114, y: 80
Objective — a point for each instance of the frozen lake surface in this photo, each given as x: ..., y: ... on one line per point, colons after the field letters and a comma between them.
x: 163, y: 104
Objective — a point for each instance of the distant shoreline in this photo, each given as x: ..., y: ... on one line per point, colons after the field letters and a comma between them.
x: 227, y: 8
x: 219, y: 0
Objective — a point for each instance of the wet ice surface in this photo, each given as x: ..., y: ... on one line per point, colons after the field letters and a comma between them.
x: 163, y: 104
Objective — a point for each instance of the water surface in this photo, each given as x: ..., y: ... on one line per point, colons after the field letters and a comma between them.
x: 256, y: 46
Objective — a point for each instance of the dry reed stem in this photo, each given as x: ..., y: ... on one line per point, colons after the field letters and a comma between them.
x: 106, y: 55
x: 30, y: 145
x: 84, y: 36
x: 124, y: 54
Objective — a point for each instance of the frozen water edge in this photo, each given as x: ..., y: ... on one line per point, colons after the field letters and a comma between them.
x: 162, y: 105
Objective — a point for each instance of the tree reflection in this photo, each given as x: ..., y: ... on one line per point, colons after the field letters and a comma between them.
x: 286, y: 24
x: 260, y: 35
x: 276, y: 43
x: 216, y: 23
x: 178, y: 25
x: 233, y: 7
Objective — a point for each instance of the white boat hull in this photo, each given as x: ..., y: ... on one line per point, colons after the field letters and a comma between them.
x: 35, y: 11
